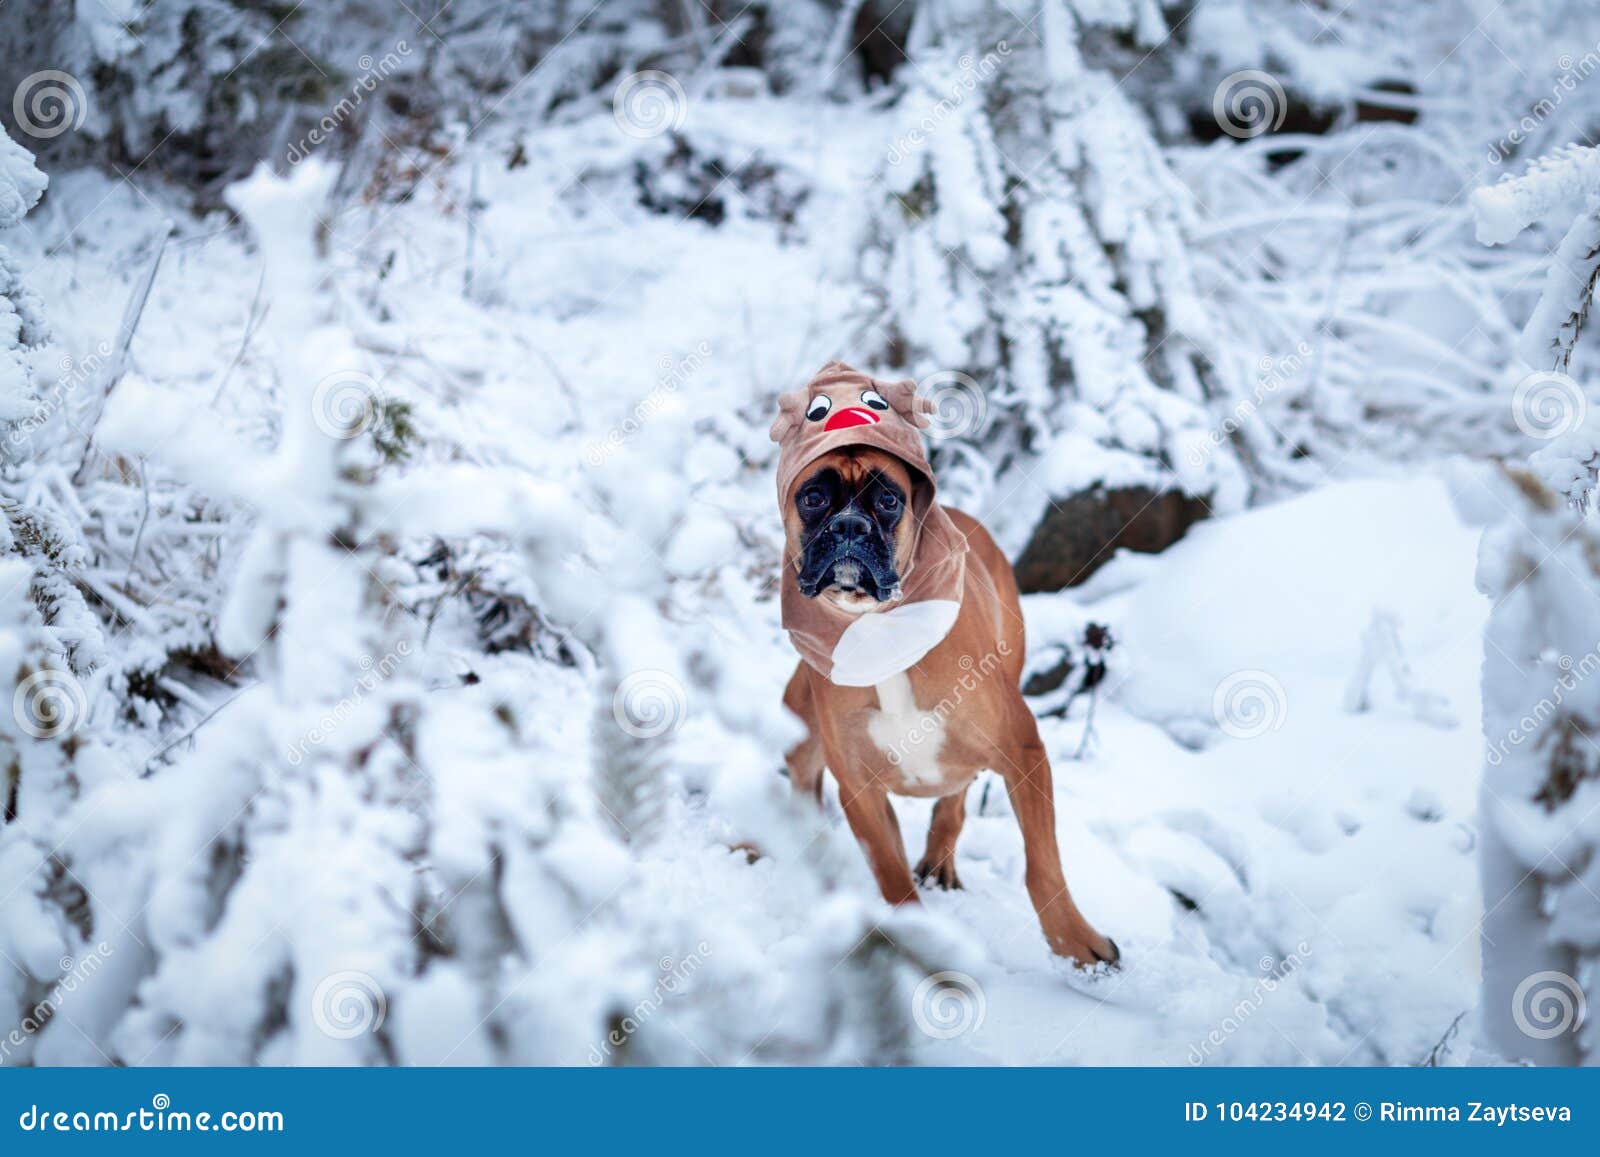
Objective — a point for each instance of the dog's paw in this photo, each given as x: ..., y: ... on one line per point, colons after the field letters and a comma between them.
x: 1088, y: 950
x: 941, y: 875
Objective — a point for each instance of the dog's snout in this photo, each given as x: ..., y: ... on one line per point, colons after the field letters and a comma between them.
x: 850, y: 524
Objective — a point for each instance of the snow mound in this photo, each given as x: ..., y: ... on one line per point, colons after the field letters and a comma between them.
x: 1287, y: 591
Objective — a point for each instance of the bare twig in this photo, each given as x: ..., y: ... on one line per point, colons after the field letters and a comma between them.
x: 134, y: 310
x: 732, y: 36
x: 696, y: 21
x: 189, y: 734
x: 251, y: 321
x: 119, y: 355
x: 1088, y: 726
x: 472, y: 231
x: 839, y: 41
x: 1441, y: 1049
x: 144, y: 517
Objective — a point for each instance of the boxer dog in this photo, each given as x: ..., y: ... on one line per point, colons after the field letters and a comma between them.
x: 909, y: 626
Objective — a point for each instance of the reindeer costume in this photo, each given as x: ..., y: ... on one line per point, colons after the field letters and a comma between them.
x: 843, y: 407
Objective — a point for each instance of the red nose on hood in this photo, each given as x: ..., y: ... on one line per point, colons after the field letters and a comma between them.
x: 851, y: 416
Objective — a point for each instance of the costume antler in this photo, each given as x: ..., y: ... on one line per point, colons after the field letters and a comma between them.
x: 903, y: 396
x: 791, y: 408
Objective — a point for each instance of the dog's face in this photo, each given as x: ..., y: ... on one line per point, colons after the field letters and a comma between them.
x: 849, y: 528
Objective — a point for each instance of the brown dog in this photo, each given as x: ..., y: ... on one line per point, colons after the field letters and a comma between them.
x: 858, y: 521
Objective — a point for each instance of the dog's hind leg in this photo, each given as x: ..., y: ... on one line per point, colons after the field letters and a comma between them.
x: 1025, y: 766
x: 804, y: 759
x: 939, y: 860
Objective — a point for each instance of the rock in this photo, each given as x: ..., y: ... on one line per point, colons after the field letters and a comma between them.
x: 1079, y: 534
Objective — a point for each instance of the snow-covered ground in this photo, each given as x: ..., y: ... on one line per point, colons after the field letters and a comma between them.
x: 1305, y: 895
x: 1290, y: 881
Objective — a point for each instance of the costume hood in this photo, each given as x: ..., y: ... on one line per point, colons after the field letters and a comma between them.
x: 843, y: 407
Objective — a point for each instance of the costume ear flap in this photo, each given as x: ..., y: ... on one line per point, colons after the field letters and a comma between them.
x: 902, y: 395
x: 791, y: 407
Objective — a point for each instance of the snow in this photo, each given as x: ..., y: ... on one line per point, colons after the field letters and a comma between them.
x: 1224, y: 602
x: 1331, y: 859
x: 1560, y: 181
x: 1302, y: 843
x: 418, y: 597
x: 1142, y: 818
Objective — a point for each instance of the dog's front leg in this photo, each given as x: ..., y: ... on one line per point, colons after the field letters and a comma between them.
x: 805, y: 758
x: 1026, y: 770
x: 876, y: 827
x: 939, y: 860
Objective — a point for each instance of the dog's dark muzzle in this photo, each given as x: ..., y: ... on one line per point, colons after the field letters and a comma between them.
x: 851, y: 553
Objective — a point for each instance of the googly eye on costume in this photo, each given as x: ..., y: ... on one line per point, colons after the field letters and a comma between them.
x: 819, y: 407
x: 874, y: 399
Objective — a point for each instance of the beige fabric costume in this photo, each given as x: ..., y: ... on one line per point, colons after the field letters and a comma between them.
x: 831, y: 413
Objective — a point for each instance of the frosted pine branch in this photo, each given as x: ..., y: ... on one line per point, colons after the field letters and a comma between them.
x: 1563, y: 307
x: 1569, y: 466
x: 1551, y: 187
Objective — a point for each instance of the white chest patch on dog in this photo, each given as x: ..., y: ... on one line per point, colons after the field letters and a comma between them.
x: 885, y: 643
x: 909, y: 736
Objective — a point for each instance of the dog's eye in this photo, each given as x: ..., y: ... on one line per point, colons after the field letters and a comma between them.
x: 819, y: 407
x: 874, y: 399
x: 888, y: 503
x: 813, y: 499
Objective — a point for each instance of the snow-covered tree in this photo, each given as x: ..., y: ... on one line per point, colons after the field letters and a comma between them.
x: 406, y: 575
x: 1033, y: 242
x: 1541, y: 783
x: 50, y: 743
x: 42, y: 513
x: 1332, y: 152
